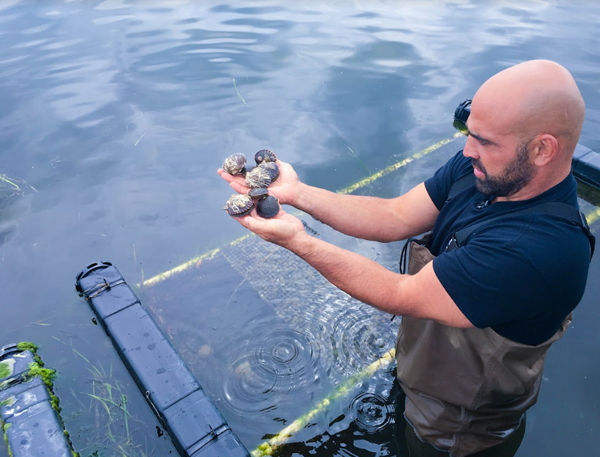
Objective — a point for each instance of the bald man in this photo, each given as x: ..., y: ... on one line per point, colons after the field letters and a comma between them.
x: 491, y: 286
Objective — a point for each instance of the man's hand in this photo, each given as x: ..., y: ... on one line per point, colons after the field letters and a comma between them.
x: 284, y: 188
x: 282, y: 229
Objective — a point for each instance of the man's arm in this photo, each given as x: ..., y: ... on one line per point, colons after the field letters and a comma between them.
x: 371, y: 218
x: 363, y: 217
x: 421, y: 295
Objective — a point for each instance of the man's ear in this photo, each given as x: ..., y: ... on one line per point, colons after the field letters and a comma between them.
x: 544, y: 149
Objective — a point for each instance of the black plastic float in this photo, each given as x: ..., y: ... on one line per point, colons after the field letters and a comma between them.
x: 586, y: 166
x: 193, y: 422
x: 30, y: 422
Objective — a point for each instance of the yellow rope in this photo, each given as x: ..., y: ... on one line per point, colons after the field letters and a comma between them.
x: 190, y: 263
x: 402, y: 163
x: 593, y: 216
x: 268, y: 447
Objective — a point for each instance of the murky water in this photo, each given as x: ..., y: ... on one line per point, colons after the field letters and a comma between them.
x: 114, y: 116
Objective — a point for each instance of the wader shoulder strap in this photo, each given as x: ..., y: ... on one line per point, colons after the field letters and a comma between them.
x: 553, y: 208
x: 461, y: 184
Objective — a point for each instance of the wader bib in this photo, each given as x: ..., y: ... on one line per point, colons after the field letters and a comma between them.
x: 466, y: 389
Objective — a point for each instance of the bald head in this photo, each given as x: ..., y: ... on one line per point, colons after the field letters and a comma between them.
x: 534, y: 98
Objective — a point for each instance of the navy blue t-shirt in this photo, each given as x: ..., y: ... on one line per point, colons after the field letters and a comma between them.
x: 520, y: 274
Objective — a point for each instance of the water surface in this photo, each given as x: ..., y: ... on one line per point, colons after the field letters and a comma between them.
x: 114, y: 116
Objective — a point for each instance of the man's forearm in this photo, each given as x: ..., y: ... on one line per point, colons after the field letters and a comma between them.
x: 421, y: 295
x: 370, y: 218
x: 356, y: 275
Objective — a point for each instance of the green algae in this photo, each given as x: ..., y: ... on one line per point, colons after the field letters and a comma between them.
x: 47, y: 375
x: 5, y: 370
x: 27, y: 346
x: 5, y: 428
x: 8, y: 402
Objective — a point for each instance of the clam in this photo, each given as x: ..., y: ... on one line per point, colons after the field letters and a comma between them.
x: 264, y: 155
x: 235, y: 164
x: 267, y: 207
x: 239, y: 205
x: 262, y: 175
x: 258, y: 192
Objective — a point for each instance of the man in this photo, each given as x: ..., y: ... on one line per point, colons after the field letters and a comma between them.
x: 479, y: 314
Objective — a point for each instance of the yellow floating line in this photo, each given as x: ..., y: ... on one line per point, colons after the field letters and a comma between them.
x: 593, y: 216
x: 268, y: 447
x: 190, y: 263
x: 394, y: 167
x: 209, y: 255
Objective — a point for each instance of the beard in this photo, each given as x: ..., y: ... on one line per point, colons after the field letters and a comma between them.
x: 516, y: 176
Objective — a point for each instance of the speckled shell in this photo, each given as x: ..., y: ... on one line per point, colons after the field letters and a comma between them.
x: 235, y: 164
x: 267, y: 207
x: 264, y: 155
x: 262, y: 175
x: 258, y: 192
x: 239, y: 205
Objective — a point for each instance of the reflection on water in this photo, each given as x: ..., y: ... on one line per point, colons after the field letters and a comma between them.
x: 119, y: 113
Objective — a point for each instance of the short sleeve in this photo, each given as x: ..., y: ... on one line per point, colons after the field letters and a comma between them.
x: 438, y: 186
x: 492, y: 284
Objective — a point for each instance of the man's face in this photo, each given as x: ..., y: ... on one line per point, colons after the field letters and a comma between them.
x: 512, y: 179
x: 500, y: 157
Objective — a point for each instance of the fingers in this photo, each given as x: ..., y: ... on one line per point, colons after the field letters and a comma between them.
x: 237, y: 183
x: 226, y: 176
x: 252, y: 222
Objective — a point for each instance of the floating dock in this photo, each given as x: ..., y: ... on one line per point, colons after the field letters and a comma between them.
x: 195, y: 426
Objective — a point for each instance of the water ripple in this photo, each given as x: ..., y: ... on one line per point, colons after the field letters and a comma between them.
x: 272, y: 371
x: 372, y: 412
x: 359, y: 339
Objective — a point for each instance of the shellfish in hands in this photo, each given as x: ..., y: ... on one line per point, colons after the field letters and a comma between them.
x: 235, y: 164
x: 239, y: 205
x: 264, y: 155
x: 262, y: 175
x: 267, y: 206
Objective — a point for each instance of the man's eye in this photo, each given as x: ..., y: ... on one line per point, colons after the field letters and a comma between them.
x: 483, y: 142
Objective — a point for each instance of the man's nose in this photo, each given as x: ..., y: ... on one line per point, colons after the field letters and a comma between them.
x: 470, y: 149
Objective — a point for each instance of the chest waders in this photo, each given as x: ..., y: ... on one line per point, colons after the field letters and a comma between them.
x: 467, y: 389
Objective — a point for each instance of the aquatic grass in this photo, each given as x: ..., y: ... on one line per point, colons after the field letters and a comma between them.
x: 238, y: 92
x: 9, y: 188
x: 359, y: 160
x: 108, y: 404
x: 108, y: 407
x: 6, y: 182
x: 140, y: 138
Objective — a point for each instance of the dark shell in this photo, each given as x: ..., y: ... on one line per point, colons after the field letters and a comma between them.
x: 258, y: 192
x: 239, y: 205
x: 235, y: 164
x: 264, y: 155
x: 262, y: 175
x: 267, y: 207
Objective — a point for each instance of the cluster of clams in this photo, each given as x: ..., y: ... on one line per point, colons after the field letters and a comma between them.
x: 259, y: 179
